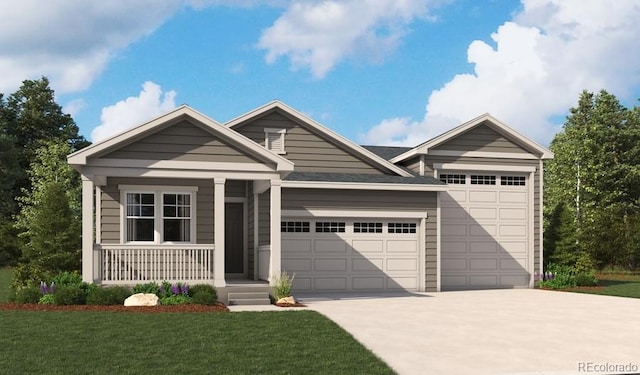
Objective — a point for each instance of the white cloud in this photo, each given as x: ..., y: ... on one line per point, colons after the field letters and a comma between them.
x: 74, y: 107
x: 134, y: 110
x: 71, y: 41
x: 319, y: 34
x: 542, y: 60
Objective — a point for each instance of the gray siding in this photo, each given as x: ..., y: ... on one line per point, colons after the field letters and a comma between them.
x: 481, y: 138
x: 182, y: 142
x: 250, y: 232
x: 309, y: 151
x: 537, y: 225
x: 297, y: 199
x: 110, y: 206
x: 413, y: 164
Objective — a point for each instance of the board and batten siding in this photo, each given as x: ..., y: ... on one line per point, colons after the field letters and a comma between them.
x: 250, y: 231
x: 183, y: 141
x: 264, y: 218
x: 309, y: 151
x: 110, y: 206
x: 537, y: 225
x: 300, y: 199
x: 481, y: 138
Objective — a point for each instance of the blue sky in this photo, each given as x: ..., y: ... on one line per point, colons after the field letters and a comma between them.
x: 376, y: 71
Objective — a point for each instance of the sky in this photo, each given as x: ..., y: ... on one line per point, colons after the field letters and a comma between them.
x: 379, y: 72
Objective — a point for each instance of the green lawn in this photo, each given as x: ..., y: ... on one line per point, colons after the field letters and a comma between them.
x: 5, y: 283
x: 283, y: 342
x: 621, y: 285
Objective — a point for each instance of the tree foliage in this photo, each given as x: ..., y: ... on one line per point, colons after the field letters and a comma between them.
x: 592, y: 186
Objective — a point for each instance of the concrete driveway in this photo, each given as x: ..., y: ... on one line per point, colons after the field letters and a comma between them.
x: 519, y: 331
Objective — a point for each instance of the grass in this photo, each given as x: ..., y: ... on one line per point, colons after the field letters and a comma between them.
x: 5, y: 283
x: 614, y: 284
x: 223, y: 343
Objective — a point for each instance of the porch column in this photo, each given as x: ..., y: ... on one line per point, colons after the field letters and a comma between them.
x: 88, y: 266
x: 218, y: 235
x: 276, y: 194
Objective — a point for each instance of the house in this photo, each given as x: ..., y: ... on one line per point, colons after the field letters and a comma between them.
x: 185, y: 198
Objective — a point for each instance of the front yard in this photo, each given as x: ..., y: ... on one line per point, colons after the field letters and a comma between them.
x: 614, y: 284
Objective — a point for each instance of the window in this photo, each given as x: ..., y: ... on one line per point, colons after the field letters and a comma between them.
x: 158, y: 215
x: 512, y: 180
x: 330, y: 227
x: 294, y: 226
x: 401, y: 227
x: 367, y: 227
x: 453, y: 178
x: 274, y: 140
x: 483, y: 180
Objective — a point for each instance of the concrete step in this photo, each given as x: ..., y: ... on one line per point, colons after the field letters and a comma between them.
x: 249, y: 298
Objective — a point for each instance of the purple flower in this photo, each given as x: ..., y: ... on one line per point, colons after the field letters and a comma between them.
x: 175, y: 289
x: 184, y: 289
x: 43, y: 287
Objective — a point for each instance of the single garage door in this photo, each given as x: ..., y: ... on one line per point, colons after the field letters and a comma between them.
x: 338, y: 254
x: 485, y: 231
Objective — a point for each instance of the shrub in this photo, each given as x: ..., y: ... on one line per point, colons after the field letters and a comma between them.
x: 108, y: 295
x: 175, y: 299
x: 151, y: 288
x: 29, y: 275
x: 203, y: 294
x: 47, y: 299
x: 27, y: 295
x: 283, y: 286
x: 558, y: 277
x: 586, y: 279
x: 67, y: 278
x: 71, y: 295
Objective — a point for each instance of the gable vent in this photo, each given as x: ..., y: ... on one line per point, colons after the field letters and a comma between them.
x: 274, y: 140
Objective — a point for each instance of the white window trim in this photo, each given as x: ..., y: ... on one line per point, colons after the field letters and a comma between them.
x: 157, y: 192
x: 269, y: 131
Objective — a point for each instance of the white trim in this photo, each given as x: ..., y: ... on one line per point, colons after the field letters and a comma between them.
x: 160, y: 173
x: 156, y: 246
x: 361, y: 186
x: 275, y: 202
x: 81, y: 157
x: 482, y: 154
x: 531, y: 266
x: 320, y: 128
x: 422, y: 255
x: 160, y: 188
x: 484, y: 167
x: 256, y: 233
x: 98, y: 214
x: 89, y: 261
x: 181, y: 165
x: 218, y: 232
x: 267, y: 143
x: 421, y: 165
x: 260, y: 186
x: 438, y: 244
x: 349, y: 213
x: 541, y: 216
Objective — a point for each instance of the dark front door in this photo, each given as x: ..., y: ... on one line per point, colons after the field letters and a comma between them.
x: 234, y: 238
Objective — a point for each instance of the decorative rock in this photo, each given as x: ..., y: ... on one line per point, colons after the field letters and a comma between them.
x: 142, y: 299
x: 289, y: 300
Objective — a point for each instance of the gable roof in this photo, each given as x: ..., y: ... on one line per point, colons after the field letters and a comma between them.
x: 485, y: 119
x: 183, y: 112
x: 335, y: 137
x: 387, y: 152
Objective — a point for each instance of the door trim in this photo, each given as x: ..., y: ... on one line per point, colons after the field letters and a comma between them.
x: 245, y: 239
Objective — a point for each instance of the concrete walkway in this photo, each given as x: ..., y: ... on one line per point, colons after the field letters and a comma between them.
x: 492, y: 332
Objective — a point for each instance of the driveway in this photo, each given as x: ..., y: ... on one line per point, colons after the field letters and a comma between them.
x: 518, y: 331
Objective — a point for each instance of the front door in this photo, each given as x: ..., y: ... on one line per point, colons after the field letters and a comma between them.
x: 234, y: 239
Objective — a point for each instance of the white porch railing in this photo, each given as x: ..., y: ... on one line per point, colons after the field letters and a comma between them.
x: 264, y: 261
x: 123, y: 264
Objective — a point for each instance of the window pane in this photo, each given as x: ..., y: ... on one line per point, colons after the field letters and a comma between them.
x: 169, y: 199
x: 133, y: 198
x: 140, y: 229
x: 169, y: 211
x: 146, y: 198
x: 184, y: 199
x: 177, y: 230
x: 184, y: 212
x: 147, y: 211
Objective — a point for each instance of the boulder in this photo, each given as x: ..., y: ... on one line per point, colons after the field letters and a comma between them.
x: 142, y: 299
x: 289, y: 300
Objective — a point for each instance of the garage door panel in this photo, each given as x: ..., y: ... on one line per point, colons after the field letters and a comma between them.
x: 369, y: 264
x: 296, y: 264
x: 482, y: 196
x: 513, y: 197
x: 368, y: 283
x: 513, y: 214
x: 514, y: 281
x: 513, y: 247
x: 301, y: 283
x: 454, y: 230
x: 483, y: 230
x: 402, y: 246
x: 454, y: 264
x: 454, y: 197
x: 454, y: 281
x: 483, y: 264
x: 330, y: 246
x: 368, y: 246
x: 407, y: 264
x: 483, y: 247
x: 515, y: 230
x: 483, y: 281
x: 330, y: 283
x: 454, y: 213
x: 402, y: 283
x: 513, y: 264
x: 483, y: 213
x: 297, y: 245
x: 454, y: 247
x: 330, y: 265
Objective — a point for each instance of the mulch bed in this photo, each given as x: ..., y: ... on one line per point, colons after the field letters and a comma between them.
x: 290, y: 304
x: 190, y: 308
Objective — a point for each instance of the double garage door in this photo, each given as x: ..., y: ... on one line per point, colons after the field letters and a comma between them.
x: 340, y: 254
x: 485, y: 231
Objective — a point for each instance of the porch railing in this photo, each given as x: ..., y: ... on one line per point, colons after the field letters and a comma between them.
x: 122, y: 264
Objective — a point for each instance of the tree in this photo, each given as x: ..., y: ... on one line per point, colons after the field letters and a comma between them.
x: 596, y: 176
x: 49, y: 218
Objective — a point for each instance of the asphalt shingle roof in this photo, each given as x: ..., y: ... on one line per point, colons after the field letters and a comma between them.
x: 362, y: 178
x: 387, y: 152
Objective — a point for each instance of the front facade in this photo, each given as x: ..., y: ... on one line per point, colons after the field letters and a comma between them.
x: 184, y: 198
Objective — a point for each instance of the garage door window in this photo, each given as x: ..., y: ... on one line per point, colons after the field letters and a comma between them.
x: 457, y: 179
x: 512, y: 181
x: 402, y: 227
x: 367, y: 227
x: 330, y: 227
x: 483, y: 180
x: 294, y: 227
